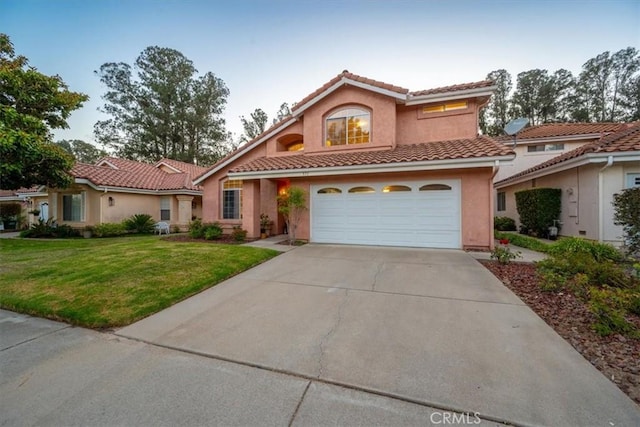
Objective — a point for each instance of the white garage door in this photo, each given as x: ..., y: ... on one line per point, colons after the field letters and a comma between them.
x: 417, y: 213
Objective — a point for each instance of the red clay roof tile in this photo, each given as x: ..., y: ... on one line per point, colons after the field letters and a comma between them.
x: 442, y: 150
x: 138, y: 175
x: 454, y: 88
x: 551, y: 130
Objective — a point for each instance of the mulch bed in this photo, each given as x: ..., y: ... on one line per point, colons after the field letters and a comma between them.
x: 616, y: 356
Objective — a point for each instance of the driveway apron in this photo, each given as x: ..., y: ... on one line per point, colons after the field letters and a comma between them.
x: 427, y: 326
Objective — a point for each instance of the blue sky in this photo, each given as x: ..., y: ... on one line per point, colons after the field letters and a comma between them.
x: 269, y: 52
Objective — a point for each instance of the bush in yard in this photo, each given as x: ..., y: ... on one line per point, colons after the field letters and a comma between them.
x: 610, y: 306
x: 196, y: 229
x: 238, y: 234
x: 538, y: 208
x: 575, y: 245
x: 49, y: 229
x: 140, y: 223
x: 109, y: 229
x: 504, y: 255
x: 212, y: 231
x: 627, y: 214
x: 523, y: 241
x: 504, y: 223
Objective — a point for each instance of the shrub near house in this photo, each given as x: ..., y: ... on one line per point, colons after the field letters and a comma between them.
x: 538, y: 208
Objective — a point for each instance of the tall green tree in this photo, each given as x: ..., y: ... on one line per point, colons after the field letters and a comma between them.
x: 31, y: 105
x: 82, y: 151
x: 601, y: 82
x: 534, y: 96
x: 496, y: 115
x: 161, y: 107
x: 283, y: 112
x: 254, y: 125
x: 630, y: 99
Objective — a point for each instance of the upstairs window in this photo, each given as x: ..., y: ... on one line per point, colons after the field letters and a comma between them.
x: 440, y: 108
x: 348, y: 126
x: 544, y: 147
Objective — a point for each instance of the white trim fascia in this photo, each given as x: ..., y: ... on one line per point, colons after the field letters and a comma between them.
x: 169, y: 166
x: 344, y: 81
x: 110, y: 189
x: 10, y: 199
x: 377, y: 168
x: 242, y: 152
x: 625, y: 156
x: 449, y: 96
x: 102, y: 162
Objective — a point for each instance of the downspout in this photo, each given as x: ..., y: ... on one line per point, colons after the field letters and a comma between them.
x: 600, y: 201
x: 492, y: 193
x: 101, y: 204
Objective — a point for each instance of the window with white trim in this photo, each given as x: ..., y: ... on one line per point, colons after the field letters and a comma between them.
x: 232, y: 199
x: 165, y: 208
x: 73, y: 206
x: 539, y: 148
x: 348, y: 126
x: 633, y: 180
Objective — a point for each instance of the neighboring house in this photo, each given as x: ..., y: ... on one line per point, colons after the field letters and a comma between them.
x: 537, y: 144
x: 589, y: 176
x: 30, y: 199
x: 381, y: 166
x: 114, y: 189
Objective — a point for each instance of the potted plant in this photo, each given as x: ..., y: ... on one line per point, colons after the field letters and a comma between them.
x: 265, y: 225
x: 35, y: 212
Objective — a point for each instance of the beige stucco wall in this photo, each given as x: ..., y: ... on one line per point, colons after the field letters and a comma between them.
x: 587, y: 196
x: 125, y: 205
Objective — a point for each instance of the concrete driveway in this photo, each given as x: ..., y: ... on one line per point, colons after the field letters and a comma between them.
x: 430, y: 327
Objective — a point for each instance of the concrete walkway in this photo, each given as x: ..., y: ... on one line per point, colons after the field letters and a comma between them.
x: 526, y: 255
x: 431, y: 327
x: 9, y: 235
x: 276, y: 243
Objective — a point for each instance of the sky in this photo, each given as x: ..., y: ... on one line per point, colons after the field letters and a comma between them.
x: 274, y: 51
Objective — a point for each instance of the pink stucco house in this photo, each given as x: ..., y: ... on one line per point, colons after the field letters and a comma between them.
x: 381, y: 166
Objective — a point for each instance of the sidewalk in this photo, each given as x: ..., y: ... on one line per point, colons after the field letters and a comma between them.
x: 277, y: 243
x: 527, y: 254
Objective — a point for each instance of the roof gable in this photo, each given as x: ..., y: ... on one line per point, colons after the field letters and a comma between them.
x: 402, y: 95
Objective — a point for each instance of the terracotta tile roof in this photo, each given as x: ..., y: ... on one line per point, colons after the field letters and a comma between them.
x: 346, y: 74
x: 136, y: 175
x: 10, y: 193
x: 442, y: 150
x: 627, y: 139
x: 550, y: 130
x: 454, y: 88
x: 189, y: 168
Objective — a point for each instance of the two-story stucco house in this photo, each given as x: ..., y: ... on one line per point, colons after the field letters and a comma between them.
x: 381, y: 166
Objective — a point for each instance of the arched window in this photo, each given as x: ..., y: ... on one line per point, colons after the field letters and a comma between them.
x: 361, y: 190
x: 394, y: 188
x: 348, y: 126
x: 435, y: 187
x: 329, y: 190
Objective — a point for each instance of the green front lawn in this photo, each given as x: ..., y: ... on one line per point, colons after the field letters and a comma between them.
x: 102, y: 283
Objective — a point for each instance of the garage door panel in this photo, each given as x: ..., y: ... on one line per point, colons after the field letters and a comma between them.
x: 397, y: 218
